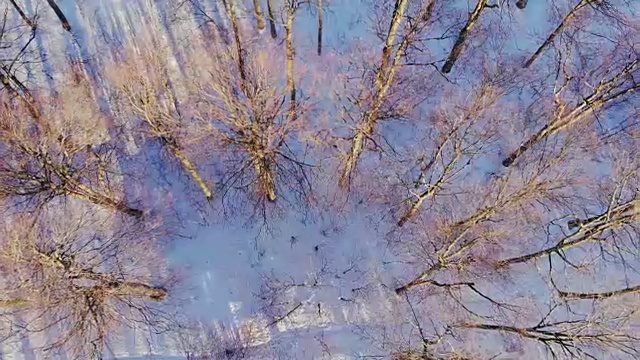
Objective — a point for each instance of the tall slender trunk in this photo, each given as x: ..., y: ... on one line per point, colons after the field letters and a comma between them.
x: 525, y: 146
x: 462, y: 36
x: 357, y: 144
x: 225, y: 5
x: 240, y: 56
x: 60, y: 15
x: 8, y: 80
x: 589, y: 231
x: 262, y: 165
x: 320, y: 27
x: 189, y: 167
x: 555, y: 32
x: 398, y: 13
x: 13, y: 303
x: 415, y: 206
x: 598, y: 295
x: 432, y: 187
x: 130, y: 288
x: 259, y: 16
x: 419, y: 280
x: 272, y: 20
x: 383, y: 80
x: 291, y: 86
x: 176, y: 150
x: 602, y: 95
x: 23, y: 15
x: 84, y: 192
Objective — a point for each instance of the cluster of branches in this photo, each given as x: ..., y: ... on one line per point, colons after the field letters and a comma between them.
x: 77, y: 276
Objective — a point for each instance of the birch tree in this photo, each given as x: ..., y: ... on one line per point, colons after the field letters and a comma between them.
x: 370, y: 104
x: 146, y: 96
x: 23, y: 15
x: 474, y: 15
x: 252, y: 127
x: 290, y: 11
x: 78, y: 276
x: 580, y: 99
x: 52, y: 152
x: 460, y: 132
x: 259, y: 16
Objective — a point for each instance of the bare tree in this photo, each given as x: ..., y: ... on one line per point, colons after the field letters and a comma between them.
x: 252, y: 128
x: 616, y: 83
x: 460, y: 132
x: 457, y: 237
x: 370, y: 104
x: 79, y: 275
x: 147, y: 95
x: 50, y: 152
x: 16, y: 46
x: 569, y: 245
x: 549, y: 40
x: 502, y: 203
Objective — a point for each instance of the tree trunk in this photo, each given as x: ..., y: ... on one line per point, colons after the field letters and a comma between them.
x: 320, y: 27
x: 189, y: 167
x: 524, y: 147
x: 462, y: 36
x: 23, y: 15
x: 419, y: 280
x: 598, y: 295
x: 13, y: 303
x: 383, y: 80
x: 415, y: 206
x: 225, y: 5
x: 589, y: 231
x: 398, y: 13
x: 357, y: 144
x: 555, y: 33
x: 265, y: 177
x: 128, y: 288
x: 272, y: 23
x: 605, y: 92
x: 238, y: 41
x: 291, y: 86
x: 60, y: 15
x: 259, y: 16
x: 84, y: 192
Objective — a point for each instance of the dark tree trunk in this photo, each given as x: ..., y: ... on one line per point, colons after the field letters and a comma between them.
x: 60, y: 15
x: 272, y: 24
